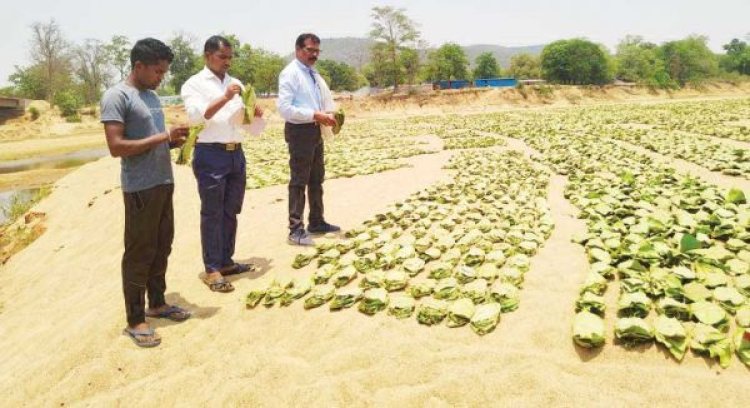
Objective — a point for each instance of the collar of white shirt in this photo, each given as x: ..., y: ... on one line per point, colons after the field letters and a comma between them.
x: 208, y: 74
x: 304, y: 67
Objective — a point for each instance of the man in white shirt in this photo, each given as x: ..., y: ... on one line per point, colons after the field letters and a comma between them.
x: 301, y: 105
x: 212, y: 97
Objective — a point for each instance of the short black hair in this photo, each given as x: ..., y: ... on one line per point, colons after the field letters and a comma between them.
x: 215, y: 42
x: 150, y: 51
x: 304, y: 36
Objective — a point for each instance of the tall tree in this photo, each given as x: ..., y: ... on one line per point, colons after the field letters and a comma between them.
x: 118, y: 52
x: 576, y: 61
x: 486, y: 66
x: 689, y: 60
x: 186, y: 61
x: 90, y: 61
x: 639, y: 61
x: 525, y: 66
x: 392, y: 30
x: 448, y: 62
x: 409, y: 61
x: 379, y: 71
x: 737, y: 57
x: 50, y: 51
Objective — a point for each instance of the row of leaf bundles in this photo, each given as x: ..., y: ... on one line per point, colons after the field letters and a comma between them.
x: 470, y: 245
x: 483, y: 317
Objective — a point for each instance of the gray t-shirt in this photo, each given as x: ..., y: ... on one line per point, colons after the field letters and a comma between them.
x: 141, y: 113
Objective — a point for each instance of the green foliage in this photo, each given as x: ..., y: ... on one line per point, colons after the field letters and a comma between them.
x: 448, y: 62
x: 486, y: 66
x: 19, y: 204
x: 29, y: 82
x: 34, y: 112
x: 379, y: 72
x: 118, y: 53
x: 257, y: 67
x: 737, y: 58
x: 689, y: 61
x: 525, y: 66
x: 186, y: 61
x: 639, y: 61
x: 68, y: 101
x: 339, y: 76
x: 391, y: 30
x: 409, y: 61
x: 576, y: 61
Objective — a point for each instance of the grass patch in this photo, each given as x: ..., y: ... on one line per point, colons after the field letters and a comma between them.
x: 15, y: 236
x: 19, y: 206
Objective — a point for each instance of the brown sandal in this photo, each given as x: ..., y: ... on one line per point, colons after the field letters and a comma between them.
x: 218, y: 284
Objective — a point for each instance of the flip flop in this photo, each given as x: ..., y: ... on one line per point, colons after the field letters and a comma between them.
x: 173, y: 313
x: 143, y: 338
x: 239, y: 268
x: 218, y: 285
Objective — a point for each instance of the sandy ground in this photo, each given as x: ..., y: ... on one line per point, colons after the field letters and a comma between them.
x: 62, y: 316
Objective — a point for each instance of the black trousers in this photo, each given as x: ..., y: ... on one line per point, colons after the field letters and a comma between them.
x: 307, y: 172
x: 149, y: 231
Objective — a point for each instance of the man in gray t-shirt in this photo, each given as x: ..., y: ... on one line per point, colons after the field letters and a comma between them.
x: 140, y: 113
x: 134, y: 125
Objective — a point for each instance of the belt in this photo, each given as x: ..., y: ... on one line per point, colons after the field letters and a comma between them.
x: 230, y: 147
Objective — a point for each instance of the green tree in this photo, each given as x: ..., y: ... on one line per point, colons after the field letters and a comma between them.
x: 118, y: 53
x: 737, y: 57
x: 689, y: 60
x: 267, y: 66
x: 339, y: 76
x: 29, y: 82
x: 256, y: 66
x: 391, y: 30
x: 576, y: 61
x: 525, y: 66
x: 635, y: 59
x: 448, y: 62
x: 379, y: 72
x: 639, y: 61
x: 486, y: 66
x: 409, y: 61
x: 186, y: 61
x: 243, y: 64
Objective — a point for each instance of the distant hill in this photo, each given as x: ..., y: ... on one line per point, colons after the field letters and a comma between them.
x: 356, y: 51
x: 502, y: 54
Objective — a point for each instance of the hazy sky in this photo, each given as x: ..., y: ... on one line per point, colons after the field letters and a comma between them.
x: 275, y: 24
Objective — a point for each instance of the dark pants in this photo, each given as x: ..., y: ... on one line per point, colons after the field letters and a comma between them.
x: 149, y: 230
x: 221, y: 185
x: 307, y: 170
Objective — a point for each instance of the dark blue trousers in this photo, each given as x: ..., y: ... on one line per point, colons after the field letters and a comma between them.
x: 221, y: 185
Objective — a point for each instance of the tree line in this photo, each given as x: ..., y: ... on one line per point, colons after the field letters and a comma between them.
x: 72, y: 75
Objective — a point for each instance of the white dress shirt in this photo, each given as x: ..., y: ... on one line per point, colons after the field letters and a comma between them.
x: 299, y: 93
x: 202, y: 89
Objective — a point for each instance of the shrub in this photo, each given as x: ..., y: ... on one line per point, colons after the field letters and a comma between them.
x: 34, y: 112
x: 68, y: 103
